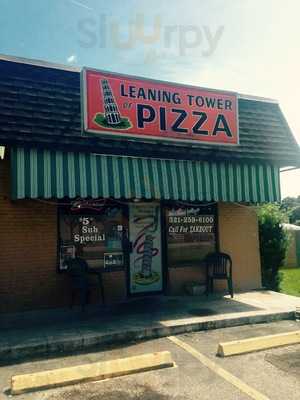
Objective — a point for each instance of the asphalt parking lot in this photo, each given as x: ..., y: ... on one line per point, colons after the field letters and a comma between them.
x: 272, y: 374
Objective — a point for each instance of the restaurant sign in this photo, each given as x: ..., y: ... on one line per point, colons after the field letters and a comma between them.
x: 124, y: 106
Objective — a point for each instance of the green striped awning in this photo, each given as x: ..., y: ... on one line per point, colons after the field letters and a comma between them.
x: 56, y: 174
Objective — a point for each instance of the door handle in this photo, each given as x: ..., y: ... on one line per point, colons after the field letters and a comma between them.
x: 130, y: 247
x: 127, y: 245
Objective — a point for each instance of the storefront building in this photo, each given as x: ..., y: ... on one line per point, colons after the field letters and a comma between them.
x: 141, y: 178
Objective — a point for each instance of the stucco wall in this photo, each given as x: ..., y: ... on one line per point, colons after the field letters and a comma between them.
x: 291, y: 256
x: 238, y: 234
x: 292, y: 259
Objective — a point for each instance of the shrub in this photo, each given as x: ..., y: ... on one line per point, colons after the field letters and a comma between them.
x: 273, y: 244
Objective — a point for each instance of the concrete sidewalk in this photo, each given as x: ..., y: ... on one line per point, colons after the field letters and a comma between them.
x: 51, y: 332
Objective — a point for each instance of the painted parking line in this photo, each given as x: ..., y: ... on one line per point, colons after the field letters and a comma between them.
x: 238, y: 383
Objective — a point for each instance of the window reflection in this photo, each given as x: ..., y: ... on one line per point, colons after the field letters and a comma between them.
x: 191, y: 235
x: 98, y: 235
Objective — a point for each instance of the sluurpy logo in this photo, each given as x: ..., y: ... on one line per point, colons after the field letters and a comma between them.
x: 111, y: 118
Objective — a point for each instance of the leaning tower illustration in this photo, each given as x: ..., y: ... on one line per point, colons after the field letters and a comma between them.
x: 111, y: 110
x: 147, y: 257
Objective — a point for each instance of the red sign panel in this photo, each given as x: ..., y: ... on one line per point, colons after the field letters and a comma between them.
x: 126, y: 106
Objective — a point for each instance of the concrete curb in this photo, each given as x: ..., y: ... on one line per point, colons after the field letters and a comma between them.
x: 52, y: 346
x: 90, y: 372
x: 258, y: 343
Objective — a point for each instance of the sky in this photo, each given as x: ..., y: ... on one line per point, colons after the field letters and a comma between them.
x: 248, y: 46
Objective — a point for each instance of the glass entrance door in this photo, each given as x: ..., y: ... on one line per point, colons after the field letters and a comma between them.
x: 145, y: 269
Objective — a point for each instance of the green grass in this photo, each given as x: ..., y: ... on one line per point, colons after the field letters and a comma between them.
x: 101, y: 120
x: 290, y: 282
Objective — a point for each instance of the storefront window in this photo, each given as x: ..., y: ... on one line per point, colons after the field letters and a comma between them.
x: 191, y: 235
x: 97, y: 236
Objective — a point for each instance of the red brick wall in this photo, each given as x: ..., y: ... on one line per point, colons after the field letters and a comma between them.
x: 179, y: 277
x: 28, y: 256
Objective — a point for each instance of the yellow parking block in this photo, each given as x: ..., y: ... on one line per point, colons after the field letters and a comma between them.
x: 257, y: 343
x: 90, y: 372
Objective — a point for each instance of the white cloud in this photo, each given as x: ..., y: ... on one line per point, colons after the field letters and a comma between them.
x: 80, y: 4
x: 72, y: 59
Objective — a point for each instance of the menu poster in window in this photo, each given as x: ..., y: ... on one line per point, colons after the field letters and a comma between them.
x: 93, y: 233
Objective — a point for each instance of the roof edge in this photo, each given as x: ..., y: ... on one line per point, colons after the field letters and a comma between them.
x: 257, y: 98
x: 39, y: 63
x: 63, y: 67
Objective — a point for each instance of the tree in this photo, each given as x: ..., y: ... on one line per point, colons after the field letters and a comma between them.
x: 295, y: 215
x: 289, y: 203
x: 273, y: 244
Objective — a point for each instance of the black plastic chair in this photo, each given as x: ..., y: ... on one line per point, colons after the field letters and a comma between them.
x: 218, y: 266
x: 78, y: 272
